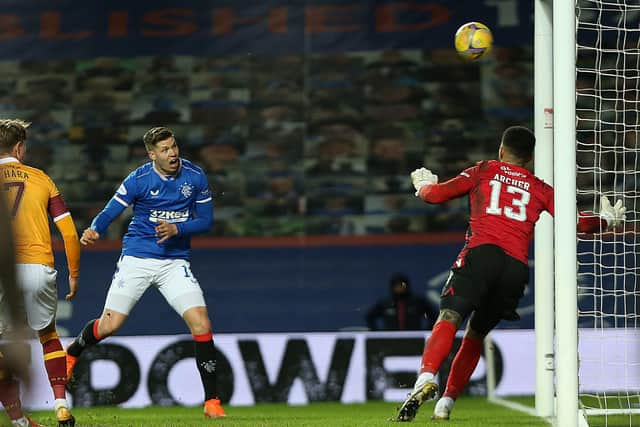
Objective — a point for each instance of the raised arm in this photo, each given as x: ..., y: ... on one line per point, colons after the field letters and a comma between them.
x: 125, y: 195
x: 428, y: 189
x: 609, y: 217
x: 111, y: 211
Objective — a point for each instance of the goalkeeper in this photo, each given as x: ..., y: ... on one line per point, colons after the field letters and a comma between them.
x: 490, y: 274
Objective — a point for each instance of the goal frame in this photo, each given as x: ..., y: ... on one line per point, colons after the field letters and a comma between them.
x: 543, y: 239
x: 565, y: 242
x: 544, y: 259
x: 556, y: 264
x: 557, y: 390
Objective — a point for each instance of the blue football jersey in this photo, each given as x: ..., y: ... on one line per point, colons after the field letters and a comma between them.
x: 183, y: 199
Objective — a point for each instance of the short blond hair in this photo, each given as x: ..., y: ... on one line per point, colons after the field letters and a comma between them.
x: 12, y: 131
x: 155, y: 135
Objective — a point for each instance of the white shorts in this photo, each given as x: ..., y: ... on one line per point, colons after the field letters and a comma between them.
x: 38, y: 283
x: 172, y: 277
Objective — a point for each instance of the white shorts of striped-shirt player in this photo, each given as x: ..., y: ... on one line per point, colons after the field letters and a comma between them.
x: 40, y: 296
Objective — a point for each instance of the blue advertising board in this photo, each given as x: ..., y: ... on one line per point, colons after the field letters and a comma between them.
x: 277, y: 289
x: 329, y: 288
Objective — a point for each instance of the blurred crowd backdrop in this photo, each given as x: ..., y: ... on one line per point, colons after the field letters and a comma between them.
x: 293, y: 144
x: 307, y: 127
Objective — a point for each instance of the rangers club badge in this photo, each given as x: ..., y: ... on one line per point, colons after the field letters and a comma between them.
x: 186, y: 189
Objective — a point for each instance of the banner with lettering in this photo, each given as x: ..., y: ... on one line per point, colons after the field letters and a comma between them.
x: 75, y: 28
x: 302, y: 368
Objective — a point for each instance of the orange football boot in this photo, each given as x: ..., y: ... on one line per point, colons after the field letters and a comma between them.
x: 213, y: 409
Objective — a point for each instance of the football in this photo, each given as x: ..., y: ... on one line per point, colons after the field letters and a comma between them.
x: 473, y: 40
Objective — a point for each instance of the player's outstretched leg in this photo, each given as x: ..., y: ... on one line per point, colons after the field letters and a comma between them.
x: 443, y: 408
x: 424, y: 389
x: 87, y: 338
x: 435, y: 352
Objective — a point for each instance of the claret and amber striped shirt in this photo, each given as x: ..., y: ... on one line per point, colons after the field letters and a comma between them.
x: 31, y: 198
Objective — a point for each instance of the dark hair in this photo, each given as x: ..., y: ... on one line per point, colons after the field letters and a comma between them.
x: 12, y: 131
x: 519, y: 141
x: 155, y: 135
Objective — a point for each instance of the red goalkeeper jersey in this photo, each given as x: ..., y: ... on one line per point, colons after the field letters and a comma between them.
x: 505, y: 202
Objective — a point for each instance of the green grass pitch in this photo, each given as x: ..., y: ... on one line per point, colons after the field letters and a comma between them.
x: 469, y: 412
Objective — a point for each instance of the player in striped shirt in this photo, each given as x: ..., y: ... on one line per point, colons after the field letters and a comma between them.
x: 171, y: 201
x: 15, y: 362
x: 33, y: 198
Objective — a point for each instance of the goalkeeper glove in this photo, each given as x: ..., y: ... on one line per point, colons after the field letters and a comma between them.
x: 614, y: 215
x: 421, y: 177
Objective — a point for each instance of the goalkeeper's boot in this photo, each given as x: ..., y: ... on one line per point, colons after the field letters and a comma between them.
x: 213, y: 409
x: 425, y: 389
x: 25, y: 422
x: 71, y: 363
x: 443, y: 408
x: 64, y: 417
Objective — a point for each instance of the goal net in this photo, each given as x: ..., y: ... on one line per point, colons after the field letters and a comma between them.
x: 608, y: 163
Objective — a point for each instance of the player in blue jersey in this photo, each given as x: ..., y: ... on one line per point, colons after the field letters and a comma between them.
x: 171, y: 201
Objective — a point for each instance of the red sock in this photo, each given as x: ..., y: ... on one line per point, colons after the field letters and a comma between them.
x: 438, y: 346
x: 463, y: 366
x: 96, y: 325
x: 9, y: 393
x: 10, y: 397
x: 55, y: 362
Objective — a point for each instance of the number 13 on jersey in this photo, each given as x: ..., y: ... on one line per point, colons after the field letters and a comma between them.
x: 515, y: 209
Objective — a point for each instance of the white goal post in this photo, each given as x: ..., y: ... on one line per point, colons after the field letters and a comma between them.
x: 543, y: 249
x: 596, y: 147
x: 587, y: 288
x: 564, y: 171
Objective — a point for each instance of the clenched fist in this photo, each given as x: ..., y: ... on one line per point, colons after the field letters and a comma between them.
x: 89, y: 237
x: 421, y: 177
